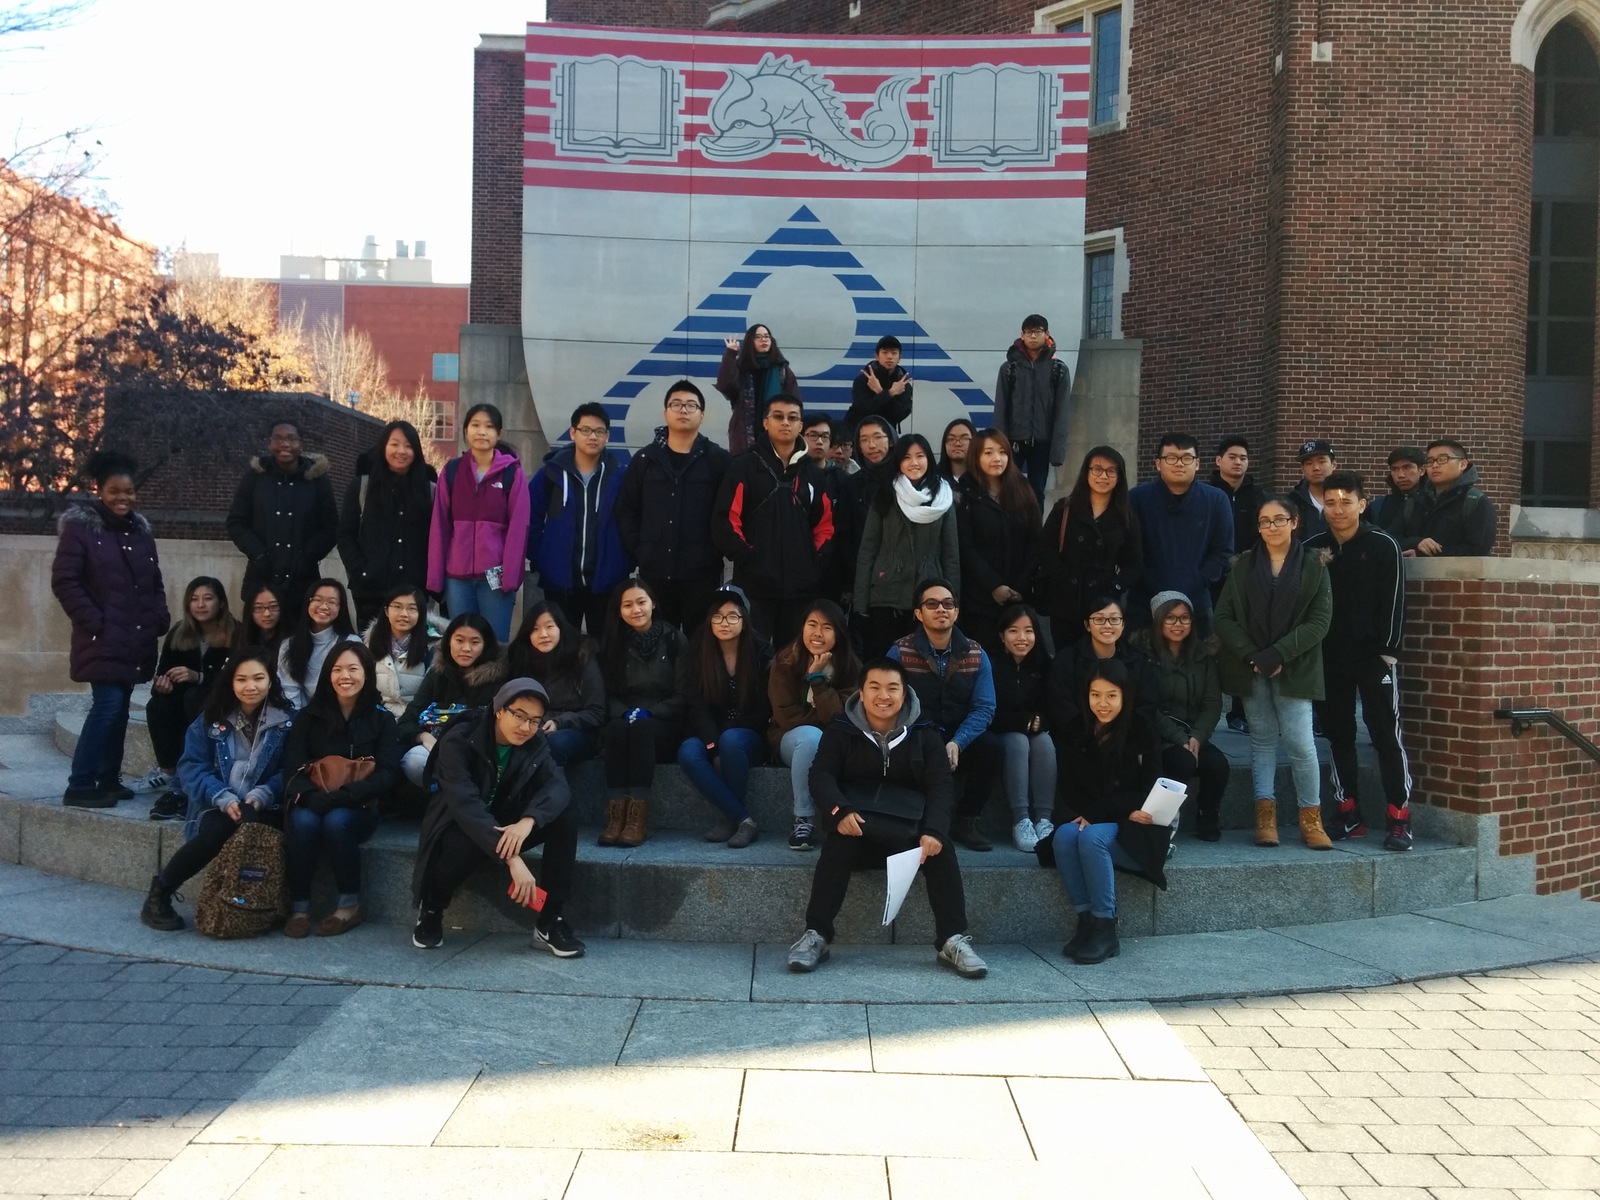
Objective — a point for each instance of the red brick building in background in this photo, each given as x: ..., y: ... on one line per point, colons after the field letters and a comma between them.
x: 1314, y: 214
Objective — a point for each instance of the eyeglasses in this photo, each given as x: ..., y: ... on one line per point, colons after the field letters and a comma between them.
x: 958, y: 439
x: 1035, y: 329
x: 1105, y: 622
x: 683, y: 406
x: 404, y: 610
x: 523, y: 720
x: 1439, y: 460
x: 591, y: 431
x: 785, y: 418
x: 940, y: 605
x: 1104, y: 472
x: 322, y: 602
x: 1176, y: 620
x: 818, y: 435
x: 264, y: 608
x: 727, y: 619
x: 1274, y: 522
x: 1179, y: 460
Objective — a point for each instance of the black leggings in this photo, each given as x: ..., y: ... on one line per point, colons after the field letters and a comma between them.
x: 215, y: 828
x: 456, y: 856
x: 633, y: 750
x: 169, y: 715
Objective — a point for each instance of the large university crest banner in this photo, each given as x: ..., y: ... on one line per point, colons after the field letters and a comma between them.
x: 680, y: 186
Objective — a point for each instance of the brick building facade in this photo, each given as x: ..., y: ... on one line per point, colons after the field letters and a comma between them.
x: 1320, y: 209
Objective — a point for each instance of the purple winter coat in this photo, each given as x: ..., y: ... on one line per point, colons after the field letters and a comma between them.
x: 108, y: 579
x: 478, y: 525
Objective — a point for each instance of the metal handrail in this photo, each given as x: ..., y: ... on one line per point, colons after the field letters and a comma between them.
x: 1524, y: 719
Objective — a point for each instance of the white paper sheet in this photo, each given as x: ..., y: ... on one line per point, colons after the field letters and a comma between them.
x: 901, y: 869
x: 1165, y: 799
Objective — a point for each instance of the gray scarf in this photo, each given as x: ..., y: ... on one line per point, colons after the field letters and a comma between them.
x: 1272, y: 601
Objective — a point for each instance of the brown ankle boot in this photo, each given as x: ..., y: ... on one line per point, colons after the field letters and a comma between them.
x: 1311, y: 831
x: 633, y: 825
x: 1266, y: 823
x: 616, y: 816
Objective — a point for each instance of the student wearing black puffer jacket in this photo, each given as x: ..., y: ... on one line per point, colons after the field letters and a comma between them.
x: 284, y: 518
x: 386, y: 519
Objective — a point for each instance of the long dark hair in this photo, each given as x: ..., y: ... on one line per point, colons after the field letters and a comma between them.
x: 747, y: 349
x: 385, y: 486
x: 1115, y: 735
x: 929, y: 482
x: 796, y: 656
x: 944, y: 463
x: 565, y: 662
x: 479, y: 624
x: 1078, y: 498
x: 1016, y: 496
x: 186, y: 634
x: 324, y: 704
x: 300, y: 640
x: 705, y: 653
x: 253, y: 633
x: 380, y: 639
x: 614, y: 645
x: 1009, y: 616
x: 222, y: 704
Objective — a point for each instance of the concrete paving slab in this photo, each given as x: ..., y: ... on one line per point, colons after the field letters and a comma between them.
x: 1412, y: 946
x: 1146, y: 1044
x: 920, y: 1116
x: 1562, y: 922
x: 1089, y: 1179
x: 612, y: 967
x: 14, y: 881
x: 1213, y: 964
x: 438, y: 1172
x: 607, y: 1108
x: 1003, y: 1039
x: 205, y: 1173
x: 364, y: 1078
x: 607, y: 1174
x: 908, y: 975
x: 796, y: 1037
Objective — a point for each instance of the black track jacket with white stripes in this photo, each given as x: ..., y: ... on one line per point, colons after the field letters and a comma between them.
x: 1369, y: 598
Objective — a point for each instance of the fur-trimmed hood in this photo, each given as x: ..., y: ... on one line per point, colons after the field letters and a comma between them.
x: 93, y: 516
x: 312, y: 466
x: 480, y: 674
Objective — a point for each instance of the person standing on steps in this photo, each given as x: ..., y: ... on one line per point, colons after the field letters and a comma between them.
x: 1404, y: 511
x: 839, y: 565
x: 1360, y: 657
x: 497, y: 792
x: 1275, y: 610
x: 954, y: 447
x: 882, y: 784
x: 1317, y: 462
x: 479, y: 538
x: 1091, y: 547
x: 1030, y: 402
x: 107, y: 578
x: 573, y: 541
x: 954, y: 682
x: 1461, y: 520
x: 998, y: 523
x: 284, y: 518
x: 664, y: 512
x: 385, y: 522
x: 1233, y: 479
x: 1187, y: 527
x: 883, y: 389
x: 231, y: 771
x: 753, y: 371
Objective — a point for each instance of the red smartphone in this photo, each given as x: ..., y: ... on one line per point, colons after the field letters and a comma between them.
x: 539, y: 896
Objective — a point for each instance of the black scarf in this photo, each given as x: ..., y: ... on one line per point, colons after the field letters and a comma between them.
x: 644, y: 644
x: 1272, y: 601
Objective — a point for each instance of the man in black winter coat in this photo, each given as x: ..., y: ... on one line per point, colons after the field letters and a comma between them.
x: 496, y: 792
x: 883, y: 389
x: 1030, y: 402
x: 663, y: 512
x: 882, y: 786
x: 284, y: 517
x: 1461, y: 520
x: 1404, y: 511
x: 1317, y: 461
x: 1360, y: 657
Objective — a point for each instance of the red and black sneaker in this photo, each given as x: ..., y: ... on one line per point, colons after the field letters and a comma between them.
x: 1398, y: 836
x: 1348, y: 822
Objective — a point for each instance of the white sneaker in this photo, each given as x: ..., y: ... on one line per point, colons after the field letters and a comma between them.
x: 153, y: 780
x: 957, y: 954
x: 1023, y: 836
x: 1044, y: 829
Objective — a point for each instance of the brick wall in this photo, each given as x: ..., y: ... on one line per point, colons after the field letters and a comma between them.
x: 1474, y: 645
x: 497, y: 104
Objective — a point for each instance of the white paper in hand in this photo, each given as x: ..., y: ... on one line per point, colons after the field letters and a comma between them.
x: 901, y: 869
x: 1165, y: 799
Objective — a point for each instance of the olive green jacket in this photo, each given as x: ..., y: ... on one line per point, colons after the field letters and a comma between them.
x: 1301, y: 647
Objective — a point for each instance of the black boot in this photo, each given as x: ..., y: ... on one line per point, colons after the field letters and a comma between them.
x: 1208, y: 825
x: 1080, y: 935
x: 157, y: 911
x: 1101, y: 943
x: 966, y: 832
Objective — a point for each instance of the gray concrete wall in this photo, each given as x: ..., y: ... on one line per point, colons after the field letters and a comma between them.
x: 1105, y: 407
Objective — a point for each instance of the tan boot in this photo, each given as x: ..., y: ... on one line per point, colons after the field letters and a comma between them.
x: 633, y: 825
x: 616, y: 817
x: 1311, y: 831
x: 1266, y: 823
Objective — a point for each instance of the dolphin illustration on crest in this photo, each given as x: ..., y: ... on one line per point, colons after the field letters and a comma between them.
x: 785, y: 100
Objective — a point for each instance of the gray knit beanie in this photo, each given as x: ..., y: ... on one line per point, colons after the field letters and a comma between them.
x: 1162, y: 599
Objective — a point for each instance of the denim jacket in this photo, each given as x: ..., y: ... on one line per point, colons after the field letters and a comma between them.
x: 207, y: 765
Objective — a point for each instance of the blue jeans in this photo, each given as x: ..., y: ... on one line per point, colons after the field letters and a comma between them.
x: 341, y: 833
x: 1274, y: 719
x: 97, y: 762
x: 1086, y: 860
x: 725, y: 784
x: 568, y: 746
x: 796, y: 749
x: 475, y: 595
x: 1030, y: 774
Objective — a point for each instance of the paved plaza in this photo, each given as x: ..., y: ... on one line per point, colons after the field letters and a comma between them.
x: 202, y: 1069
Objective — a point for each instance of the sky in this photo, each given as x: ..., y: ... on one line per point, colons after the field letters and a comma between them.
x: 256, y: 130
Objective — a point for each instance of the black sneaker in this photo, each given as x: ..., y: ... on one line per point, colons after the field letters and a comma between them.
x: 803, y: 835
x: 1238, y: 724
x: 1398, y: 836
x: 557, y: 937
x: 429, y: 933
x: 87, y: 798
x: 170, y: 806
x: 114, y: 791
x: 966, y: 832
x: 1347, y: 822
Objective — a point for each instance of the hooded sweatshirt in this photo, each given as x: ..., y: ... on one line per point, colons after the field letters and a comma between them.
x: 479, y: 523
x: 572, y: 534
x: 1462, y: 519
x: 1030, y: 398
x: 903, y: 774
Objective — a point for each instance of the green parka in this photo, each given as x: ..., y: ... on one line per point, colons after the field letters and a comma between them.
x: 1301, y: 647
